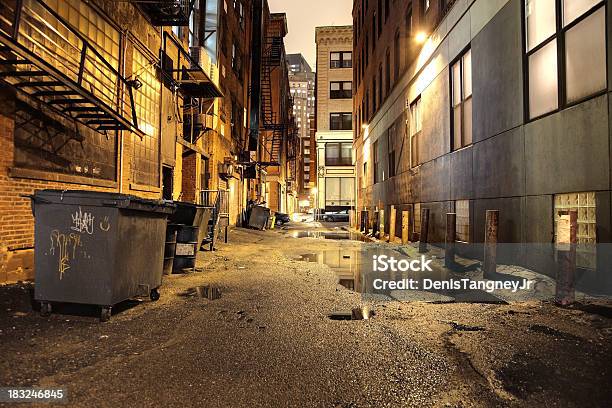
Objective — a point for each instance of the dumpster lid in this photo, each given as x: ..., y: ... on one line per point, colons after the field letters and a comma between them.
x: 102, y: 199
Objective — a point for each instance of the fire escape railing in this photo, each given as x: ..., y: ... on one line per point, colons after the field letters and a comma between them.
x: 167, y: 12
x: 272, y: 121
x: 45, y: 58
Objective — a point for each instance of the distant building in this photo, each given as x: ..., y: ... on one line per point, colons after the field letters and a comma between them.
x: 334, y: 118
x: 302, y: 83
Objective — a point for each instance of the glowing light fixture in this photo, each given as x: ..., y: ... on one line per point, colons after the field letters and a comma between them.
x: 420, y: 37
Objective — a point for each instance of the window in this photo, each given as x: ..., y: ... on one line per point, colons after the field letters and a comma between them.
x: 388, y: 73
x: 566, y: 56
x: 339, y: 191
x: 426, y: 4
x: 386, y: 10
x: 341, y: 90
x: 342, y: 59
x: 408, y: 27
x: 374, y: 94
x: 380, y: 87
x: 380, y: 13
x: 239, y: 8
x: 585, y: 204
x: 365, y: 175
x: 461, y: 101
x: 396, y: 56
x: 237, y: 61
x: 374, y: 32
x: 338, y: 154
x: 391, y: 150
x: 376, y: 162
x: 145, y: 151
x: 341, y: 121
x: 415, y: 131
x: 462, y: 220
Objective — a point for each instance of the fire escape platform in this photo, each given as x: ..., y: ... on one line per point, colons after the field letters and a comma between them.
x: 58, y: 86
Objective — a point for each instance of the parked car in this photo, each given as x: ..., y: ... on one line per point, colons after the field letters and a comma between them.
x: 281, y: 219
x: 338, y: 216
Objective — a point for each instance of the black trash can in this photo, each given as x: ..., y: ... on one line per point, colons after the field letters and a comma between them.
x: 97, y: 248
x: 186, y: 248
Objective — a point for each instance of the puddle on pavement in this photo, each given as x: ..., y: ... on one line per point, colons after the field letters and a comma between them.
x: 206, y: 292
x: 358, y: 313
x: 339, y: 235
x: 353, y: 270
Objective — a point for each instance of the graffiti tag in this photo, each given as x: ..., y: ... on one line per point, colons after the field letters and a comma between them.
x: 82, y: 222
x: 105, y: 224
x: 66, y: 245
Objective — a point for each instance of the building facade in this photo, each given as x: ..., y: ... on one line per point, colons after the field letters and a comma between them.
x: 469, y: 106
x: 130, y: 97
x: 335, y: 188
x: 302, y: 82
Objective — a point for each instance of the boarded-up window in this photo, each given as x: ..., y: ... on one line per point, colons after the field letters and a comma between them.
x: 462, y: 227
x: 584, y: 203
x: 145, y: 150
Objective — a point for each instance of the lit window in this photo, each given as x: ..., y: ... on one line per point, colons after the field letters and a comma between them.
x: 462, y: 220
x: 342, y: 59
x: 416, y: 126
x: 579, y: 68
x: 461, y: 91
x: 585, y: 204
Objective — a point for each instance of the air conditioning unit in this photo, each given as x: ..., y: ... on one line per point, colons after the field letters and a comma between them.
x: 226, y: 170
x: 200, y: 57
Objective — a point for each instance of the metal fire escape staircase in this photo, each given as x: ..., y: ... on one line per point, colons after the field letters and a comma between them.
x: 54, y: 66
x: 271, y: 60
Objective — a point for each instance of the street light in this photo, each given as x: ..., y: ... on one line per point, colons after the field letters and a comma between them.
x: 420, y: 37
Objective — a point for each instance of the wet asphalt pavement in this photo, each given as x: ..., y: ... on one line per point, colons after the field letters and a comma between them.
x: 268, y: 341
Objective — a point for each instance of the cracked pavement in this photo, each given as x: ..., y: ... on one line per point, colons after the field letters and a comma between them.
x: 268, y: 342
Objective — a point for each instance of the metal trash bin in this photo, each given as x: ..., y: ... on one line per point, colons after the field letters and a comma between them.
x: 97, y: 248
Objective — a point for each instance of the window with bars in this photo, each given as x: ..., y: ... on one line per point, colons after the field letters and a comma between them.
x: 462, y: 220
x: 586, y: 234
x: 145, y: 150
x: 416, y: 126
x: 565, y: 41
x: 461, y: 101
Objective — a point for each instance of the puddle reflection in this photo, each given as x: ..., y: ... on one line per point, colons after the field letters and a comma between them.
x: 340, y: 235
x: 354, y: 270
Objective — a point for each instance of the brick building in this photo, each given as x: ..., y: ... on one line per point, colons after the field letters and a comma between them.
x: 130, y: 97
x: 468, y: 106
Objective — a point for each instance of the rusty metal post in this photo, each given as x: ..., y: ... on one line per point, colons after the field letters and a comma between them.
x: 382, y: 224
x: 449, y: 248
x: 490, y: 244
x: 424, y: 230
x: 392, y: 221
x: 566, y: 258
x: 405, y: 226
x: 375, y: 223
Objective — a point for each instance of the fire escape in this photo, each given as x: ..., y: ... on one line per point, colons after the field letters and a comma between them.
x: 272, y: 121
x: 52, y: 65
x: 167, y: 12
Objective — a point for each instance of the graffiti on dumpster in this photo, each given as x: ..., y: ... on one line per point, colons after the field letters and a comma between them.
x: 82, y: 222
x: 66, y: 246
x: 105, y: 224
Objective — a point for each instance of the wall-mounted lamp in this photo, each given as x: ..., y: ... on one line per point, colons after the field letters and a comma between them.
x: 420, y: 37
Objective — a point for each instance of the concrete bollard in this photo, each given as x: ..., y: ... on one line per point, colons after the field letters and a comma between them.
x: 405, y: 227
x: 490, y: 244
x: 424, y: 230
x: 382, y: 224
x: 392, y: 221
x: 449, y: 248
x: 566, y: 258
